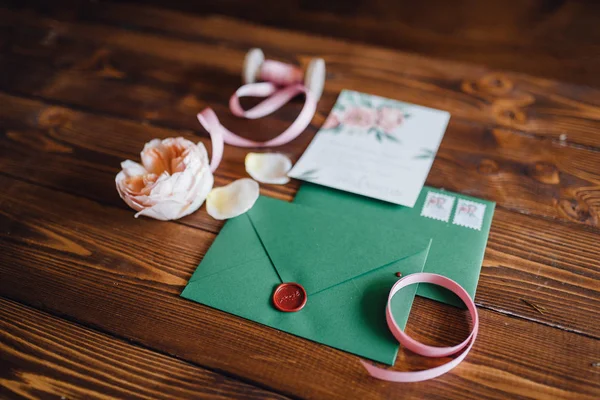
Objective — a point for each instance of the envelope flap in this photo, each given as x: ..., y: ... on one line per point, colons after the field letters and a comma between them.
x: 320, y: 250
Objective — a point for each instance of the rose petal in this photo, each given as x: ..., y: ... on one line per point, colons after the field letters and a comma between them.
x: 268, y: 167
x: 232, y: 200
x: 131, y: 168
x: 163, y: 211
x: 201, y: 190
x: 121, y: 189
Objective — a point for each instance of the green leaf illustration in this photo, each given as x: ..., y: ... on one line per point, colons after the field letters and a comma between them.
x: 392, y: 138
x: 334, y: 130
x: 339, y: 107
x: 365, y: 101
x: 308, y: 174
x: 350, y: 99
x: 425, y: 154
x: 344, y: 97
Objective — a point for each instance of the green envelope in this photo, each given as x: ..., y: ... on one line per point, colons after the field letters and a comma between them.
x: 457, y: 250
x: 347, y: 268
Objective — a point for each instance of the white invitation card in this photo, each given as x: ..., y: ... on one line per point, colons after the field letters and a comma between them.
x: 373, y: 146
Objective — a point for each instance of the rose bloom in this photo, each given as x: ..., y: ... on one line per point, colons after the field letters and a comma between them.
x: 361, y: 117
x: 172, y: 181
x: 389, y: 118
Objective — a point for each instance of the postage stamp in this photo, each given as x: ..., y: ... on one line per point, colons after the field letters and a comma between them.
x: 437, y: 206
x: 469, y: 214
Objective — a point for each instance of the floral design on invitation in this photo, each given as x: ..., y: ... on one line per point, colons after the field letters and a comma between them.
x: 360, y: 113
x: 376, y: 147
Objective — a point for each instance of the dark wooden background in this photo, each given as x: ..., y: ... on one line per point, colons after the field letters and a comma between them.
x: 89, y: 296
x: 557, y: 39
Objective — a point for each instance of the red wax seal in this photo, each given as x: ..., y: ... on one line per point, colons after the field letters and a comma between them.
x: 289, y: 297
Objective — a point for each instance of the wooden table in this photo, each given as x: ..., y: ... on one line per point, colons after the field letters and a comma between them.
x: 89, y: 295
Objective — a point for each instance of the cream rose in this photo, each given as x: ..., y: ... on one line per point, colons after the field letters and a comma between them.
x: 172, y: 181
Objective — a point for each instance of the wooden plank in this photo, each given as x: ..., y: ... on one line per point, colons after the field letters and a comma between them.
x: 44, y: 356
x: 552, y: 39
x: 531, y: 263
x: 89, y: 149
x: 93, y: 267
x: 80, y: 153
x: 162, y: 105
x: 527, y: 268
x: 536, y: 106
x: 519, y: 172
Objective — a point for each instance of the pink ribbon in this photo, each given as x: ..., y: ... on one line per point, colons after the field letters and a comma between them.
x: 420, y: 348
x: 282, y: 82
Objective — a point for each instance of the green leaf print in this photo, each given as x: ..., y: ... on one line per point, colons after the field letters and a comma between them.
x: 308, y: 175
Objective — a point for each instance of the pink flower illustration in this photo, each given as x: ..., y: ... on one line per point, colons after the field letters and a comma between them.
x: 389, y: 118
x: 361, y: 117
x: 331, y: 122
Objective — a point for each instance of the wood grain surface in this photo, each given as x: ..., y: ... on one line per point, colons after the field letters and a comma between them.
x: 552, y: 38
x: 84, y: 87
x: 46, y: 356
x: 68, y: 158
x: 161, y: 65
x: 108, y: 281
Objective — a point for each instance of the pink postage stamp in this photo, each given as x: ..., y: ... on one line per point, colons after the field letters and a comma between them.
x: 437, y: 206
x: 469, y: 214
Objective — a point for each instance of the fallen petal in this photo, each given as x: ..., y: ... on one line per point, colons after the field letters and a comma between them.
x: 232, y: 200
x: 268, y: 167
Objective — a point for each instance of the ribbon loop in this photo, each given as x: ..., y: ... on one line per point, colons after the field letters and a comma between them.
x: 280, y: 73
x: 282, y: 82
x: 208, y: 119
x: 420, y: 348
x: 218, y: 132
x: 276, y: 99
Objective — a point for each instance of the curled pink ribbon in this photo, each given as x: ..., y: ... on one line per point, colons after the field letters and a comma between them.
x: 420, y: 348
x: 281, y: 83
